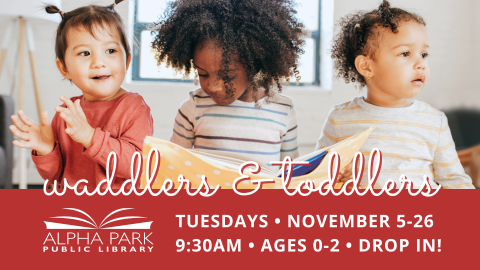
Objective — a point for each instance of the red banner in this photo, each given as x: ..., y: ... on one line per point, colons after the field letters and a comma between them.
x: 265, y: 230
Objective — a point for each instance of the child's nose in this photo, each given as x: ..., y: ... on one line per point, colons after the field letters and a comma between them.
x: 215, y: 85
x: 97, y: 62
x: 421, y: 64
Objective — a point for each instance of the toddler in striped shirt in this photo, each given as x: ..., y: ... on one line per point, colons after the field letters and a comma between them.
x: 240, y: 58
x: 386, y: 50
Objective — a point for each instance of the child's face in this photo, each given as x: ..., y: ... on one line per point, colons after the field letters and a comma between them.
x: 400, y: 67
x: 97, y: 65
x: 207, y: 59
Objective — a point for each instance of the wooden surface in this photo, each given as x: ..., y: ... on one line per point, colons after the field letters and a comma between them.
x: 3, y: 53
x: 470, y: 159
x: 22, y: 158
x: 36, y: 85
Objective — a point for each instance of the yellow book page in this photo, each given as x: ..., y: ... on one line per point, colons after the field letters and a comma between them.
x: 176, y: 160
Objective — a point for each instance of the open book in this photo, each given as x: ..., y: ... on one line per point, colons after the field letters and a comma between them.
x: 235, y: 160
x: 221, y: 168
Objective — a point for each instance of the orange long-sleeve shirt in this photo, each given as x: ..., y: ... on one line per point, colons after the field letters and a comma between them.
x: 120, y: 125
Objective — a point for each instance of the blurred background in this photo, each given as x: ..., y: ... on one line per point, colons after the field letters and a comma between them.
x: 454, y: 32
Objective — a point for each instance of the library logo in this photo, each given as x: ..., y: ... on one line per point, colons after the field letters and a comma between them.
x: 93, y: 225
x: 113, y: 234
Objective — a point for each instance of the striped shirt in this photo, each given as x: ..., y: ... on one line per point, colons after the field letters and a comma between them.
x: 415, y: 141
x: 267, y: 134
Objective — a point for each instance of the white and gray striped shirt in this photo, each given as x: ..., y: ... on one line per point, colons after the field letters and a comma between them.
x: 267, y: 134
x: 414, y: 141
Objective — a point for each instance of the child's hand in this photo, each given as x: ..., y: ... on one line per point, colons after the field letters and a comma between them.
x: 345, y: 174
x: 35, y: 136
x: 77, y: 125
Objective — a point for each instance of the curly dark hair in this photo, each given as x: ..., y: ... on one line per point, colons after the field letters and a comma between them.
x: 264, y: 36
x: 359, y: 35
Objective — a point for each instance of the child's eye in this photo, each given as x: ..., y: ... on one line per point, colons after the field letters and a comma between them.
x: 405, y: 54
x: 85, y: 53
x: 110, y: 51
x: 424, y: 55
x: 200, y: 75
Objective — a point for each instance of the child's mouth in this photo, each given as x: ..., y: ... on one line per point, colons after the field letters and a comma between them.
x: 101, y: 78
x: 419, y: 80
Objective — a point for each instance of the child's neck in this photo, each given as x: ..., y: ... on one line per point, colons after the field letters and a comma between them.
x: 248, y: 95
x: 384, y: 100
x: 91, y: 98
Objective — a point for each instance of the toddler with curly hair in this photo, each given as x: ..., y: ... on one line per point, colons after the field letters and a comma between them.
x: 386, y: 50
x: 241, y: 52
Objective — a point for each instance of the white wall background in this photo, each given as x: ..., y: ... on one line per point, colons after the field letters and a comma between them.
x: 453, y: 26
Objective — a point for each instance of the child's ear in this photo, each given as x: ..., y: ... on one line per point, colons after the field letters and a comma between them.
x: 63, y: 69
x: 129, y: 59
x: 362, y: 63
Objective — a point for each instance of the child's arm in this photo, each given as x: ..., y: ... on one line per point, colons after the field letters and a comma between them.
x: 36, y: 137
x: 289, y: 142
x: 327, y: 137
x: 447, y: 169
x: 100, y: 144
x: 77, y: 125
x: 183, y: 133
x: 41, y: 139
x: 130, y: 141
